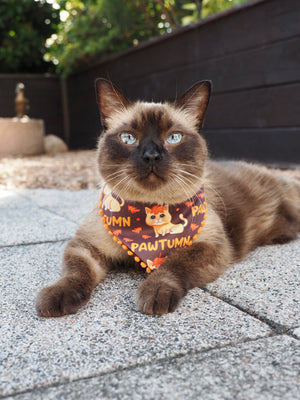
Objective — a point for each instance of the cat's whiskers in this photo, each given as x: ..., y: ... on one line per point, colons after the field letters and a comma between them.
x: 99, y: 185
x: 206, y: 185
x: 176, y: 185
x: 119, y: 182
x: 188, y: 198
x: 126, y: 187
x: 186, y: 164
x: 187, y: 180
x: 218, y: 195
x: 109, y: 178
x: 114, y: 173
x: 190, y: 177
x: 184, y: 186
x: 188, y: 173
x: 189, y: 165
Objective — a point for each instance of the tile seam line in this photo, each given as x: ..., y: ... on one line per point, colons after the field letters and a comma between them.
x: 44, y: 208
x: 34, y: 243
x: 276, y: 327
x: 145, y: 364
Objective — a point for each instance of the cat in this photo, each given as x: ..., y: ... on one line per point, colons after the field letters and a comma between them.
x: 154, y: 153
x: 160, y: 219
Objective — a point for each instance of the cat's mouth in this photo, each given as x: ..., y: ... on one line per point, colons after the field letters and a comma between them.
x: 152, y: 176
x: 150, y: 180
x: 153, y: 179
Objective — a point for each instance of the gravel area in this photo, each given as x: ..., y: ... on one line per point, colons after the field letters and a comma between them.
x: 73, y: 170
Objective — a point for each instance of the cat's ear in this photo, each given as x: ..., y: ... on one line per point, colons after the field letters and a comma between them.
x: 110, y: 99
x: 195, y: 100
x: 166, y: 207
x: 148, y: 210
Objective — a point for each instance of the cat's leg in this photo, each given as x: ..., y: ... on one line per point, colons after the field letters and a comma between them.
x: 286, y: 224
x: 84, y: 266
x: 186, y: 268
x: 284, y: 221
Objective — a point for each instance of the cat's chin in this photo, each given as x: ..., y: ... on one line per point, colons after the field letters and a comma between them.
x: 151, y: 182
x: 153, y: 178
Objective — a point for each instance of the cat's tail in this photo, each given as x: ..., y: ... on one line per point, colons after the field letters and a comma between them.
x: 185, y: 221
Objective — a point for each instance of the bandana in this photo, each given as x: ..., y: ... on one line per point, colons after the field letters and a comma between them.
x: 148, y: 231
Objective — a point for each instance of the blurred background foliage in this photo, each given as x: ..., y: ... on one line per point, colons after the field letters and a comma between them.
x: 25, y: 26
x: 65, y: 35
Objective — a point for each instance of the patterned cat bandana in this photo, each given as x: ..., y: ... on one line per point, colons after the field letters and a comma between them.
x: 148, y: 232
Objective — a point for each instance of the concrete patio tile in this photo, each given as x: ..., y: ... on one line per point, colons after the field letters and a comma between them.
x: 12, y: 199
x: 73, y: 205
x: 265, y: 369
x: 23, y: 221
x: 266, y: 284
x: 105, y: 335
x: 296, y: 332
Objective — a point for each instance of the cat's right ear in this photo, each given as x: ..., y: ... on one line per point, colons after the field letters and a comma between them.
x: 110, y: 99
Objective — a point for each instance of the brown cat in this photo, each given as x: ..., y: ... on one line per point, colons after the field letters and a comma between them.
x: 153, y: 153
x: 160, y: 219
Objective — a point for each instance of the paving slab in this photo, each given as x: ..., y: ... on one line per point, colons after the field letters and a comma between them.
x: 266, y: 284
x: 265, y: 369
x: 10, y: 199
x: 296, y: 332
x: 23, y: 221
x: 73, y: 205
x: 107, y: 334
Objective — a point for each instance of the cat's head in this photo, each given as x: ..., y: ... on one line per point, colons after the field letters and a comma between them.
x: 152, y: 152
x: 158, y: 215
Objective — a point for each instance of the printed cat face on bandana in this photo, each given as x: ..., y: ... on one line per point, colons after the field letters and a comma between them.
x: 148, y: 232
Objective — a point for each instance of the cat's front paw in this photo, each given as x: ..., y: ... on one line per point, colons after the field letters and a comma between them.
x: 159, y: 294
x: 60, y: 299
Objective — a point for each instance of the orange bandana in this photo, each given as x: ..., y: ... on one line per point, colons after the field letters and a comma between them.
x: 148, y: 232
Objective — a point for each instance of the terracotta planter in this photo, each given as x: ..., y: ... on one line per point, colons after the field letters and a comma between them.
x: 21, y: 137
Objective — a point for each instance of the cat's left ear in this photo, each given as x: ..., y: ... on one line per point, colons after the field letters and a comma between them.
x: 195, y: 100
x: 110, y: 99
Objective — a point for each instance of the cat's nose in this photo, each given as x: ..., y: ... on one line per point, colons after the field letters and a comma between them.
x: 151, y: 153
x: 150, y: 156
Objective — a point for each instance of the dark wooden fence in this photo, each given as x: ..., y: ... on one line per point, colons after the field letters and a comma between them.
x: 252, y: 55
x: 45, y: 93
x: 250, y: 52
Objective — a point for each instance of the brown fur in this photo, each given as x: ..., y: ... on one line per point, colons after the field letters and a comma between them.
x: 248, y: 205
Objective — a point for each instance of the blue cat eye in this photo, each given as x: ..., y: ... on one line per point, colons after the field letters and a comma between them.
x: 174, y: 138
x: 128, y: 138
